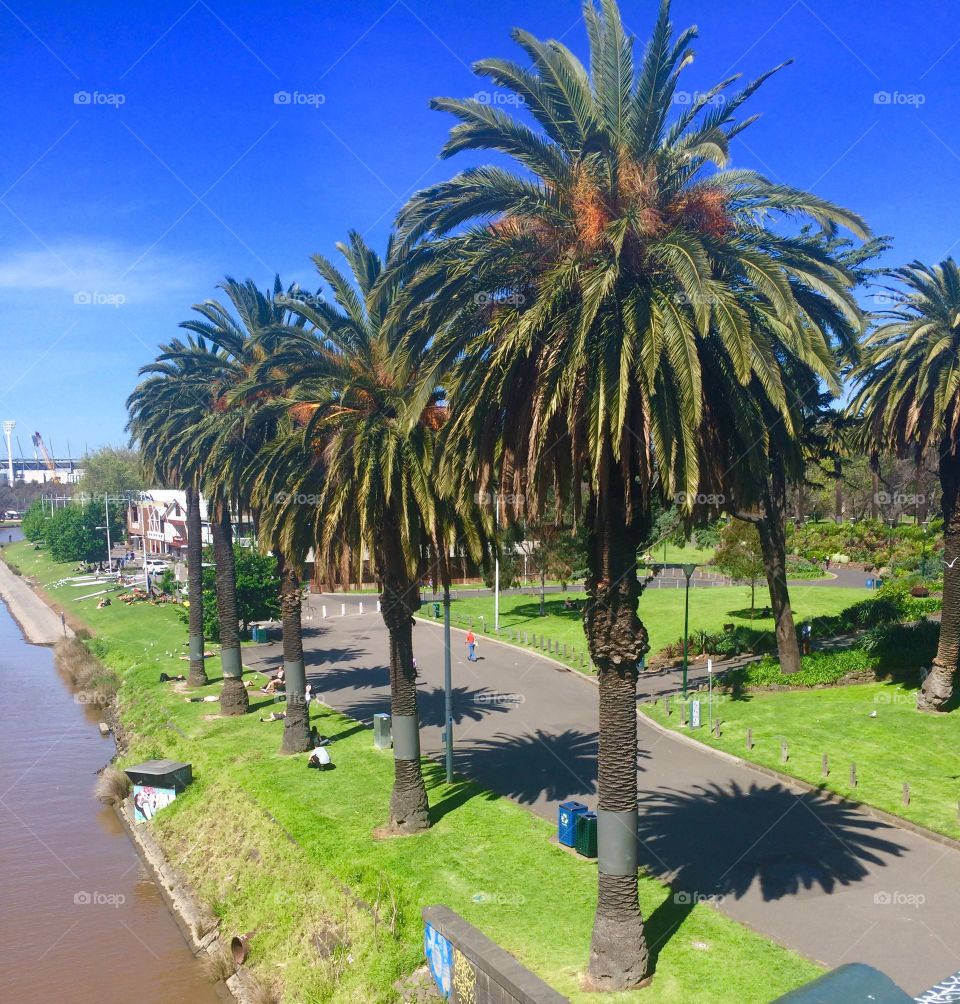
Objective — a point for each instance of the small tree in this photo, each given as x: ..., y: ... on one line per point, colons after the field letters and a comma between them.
x: 258, y: 590
x: 35, y: 520
x: 76, y: 533
x: 113, y: 470
x: 740, y: 556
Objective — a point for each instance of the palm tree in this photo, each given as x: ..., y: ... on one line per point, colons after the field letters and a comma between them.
x: 165, y: 410
x: 227, y: 441
x: 568, y: 305
x: 289, y: 472
x: 373, y: 420
x: 909, y: 398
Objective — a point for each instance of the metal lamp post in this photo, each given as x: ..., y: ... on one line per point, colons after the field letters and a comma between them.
x: 447, y: 685
x: 496, y: 567
x: 688, y: 571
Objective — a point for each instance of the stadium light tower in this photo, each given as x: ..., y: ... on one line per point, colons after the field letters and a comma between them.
x: 8, y: 427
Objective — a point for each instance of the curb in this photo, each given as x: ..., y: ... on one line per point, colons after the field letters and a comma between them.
x: 789, y: 781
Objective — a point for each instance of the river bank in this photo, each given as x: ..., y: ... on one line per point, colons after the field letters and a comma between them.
x: 290, y: 854
x: 82, y: 919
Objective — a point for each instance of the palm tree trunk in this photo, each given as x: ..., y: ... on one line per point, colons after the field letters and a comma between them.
x: 198, y: 673
x: 233, y: 696
x: 773, y: 546
x: 937, y: 688
x: 296, y: 726
x: 399, y: 598
x: 619, y: 958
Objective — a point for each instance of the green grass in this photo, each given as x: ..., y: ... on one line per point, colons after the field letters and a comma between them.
x: 485, y: 857
x: 660, y: 609
x: 898, y: 745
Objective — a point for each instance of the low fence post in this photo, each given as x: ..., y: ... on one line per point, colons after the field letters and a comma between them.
x: 825, y: 765
x: 853, y: 775
x: 749, y: 740
x: 784, y: 752
x: 906, y: 793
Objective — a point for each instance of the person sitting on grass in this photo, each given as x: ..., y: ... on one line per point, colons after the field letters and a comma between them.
x: 277, y: 683
x: 209, y: 699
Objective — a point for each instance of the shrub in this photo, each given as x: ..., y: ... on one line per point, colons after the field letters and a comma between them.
x: 817, y: 669
x: 112, y: 787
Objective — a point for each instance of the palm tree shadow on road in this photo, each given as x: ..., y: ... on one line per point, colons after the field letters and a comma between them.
x: 718, y: 840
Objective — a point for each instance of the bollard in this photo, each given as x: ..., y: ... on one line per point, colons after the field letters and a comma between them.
x: 683, y: 712
x: 324, y: 609
x: 565, y: 655
x: 784, y: 752
x: 666, y: 706
x: 825, y: 765
x: 343, y: 610
x: 853, y: 775
x: 716, y: 728
x: 906, y: 793
x: 378, y: 607
x: 749, y: 740
x: 361, y: 606
x: 525, y: 641
x: 583, y: 661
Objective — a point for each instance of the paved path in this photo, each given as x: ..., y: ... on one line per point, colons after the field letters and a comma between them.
x: 835, y: 884
x: 40, y: 625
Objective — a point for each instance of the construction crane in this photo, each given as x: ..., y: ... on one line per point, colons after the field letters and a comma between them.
x: 51, y: 466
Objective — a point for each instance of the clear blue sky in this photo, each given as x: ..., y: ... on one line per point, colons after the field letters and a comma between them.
x: 182, y: 167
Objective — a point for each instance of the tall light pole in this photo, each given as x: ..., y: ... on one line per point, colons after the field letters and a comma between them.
x: 8, y: 426
x: 447, y: 681
x: 688, y: 570
x: 496, y: 565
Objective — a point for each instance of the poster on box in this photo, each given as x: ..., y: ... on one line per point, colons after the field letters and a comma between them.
x: 147, y: 800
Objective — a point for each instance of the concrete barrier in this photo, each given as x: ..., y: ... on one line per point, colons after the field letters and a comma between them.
x: 471, y: 968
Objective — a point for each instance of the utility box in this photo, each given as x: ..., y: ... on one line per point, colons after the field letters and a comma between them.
x: 382, y: 732
x: 567, y: 822
x: 586, y: 840
x: 161, y: 774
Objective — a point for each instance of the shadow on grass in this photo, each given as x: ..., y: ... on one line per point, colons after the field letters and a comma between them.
x: 789, y: 845
x: 457, y: 794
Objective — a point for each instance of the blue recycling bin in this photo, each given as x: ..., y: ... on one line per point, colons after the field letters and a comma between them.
x: 567, y: 822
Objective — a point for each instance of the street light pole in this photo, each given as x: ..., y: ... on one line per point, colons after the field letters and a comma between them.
x: 106, y: 514
x: 688, y: 570
x: 496, y: 567
x: 447, y: 684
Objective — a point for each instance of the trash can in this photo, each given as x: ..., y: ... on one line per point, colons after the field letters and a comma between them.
x: 586, y: 842
x: 382, y: 732
x: 436, y: 610
x: 567, y: 822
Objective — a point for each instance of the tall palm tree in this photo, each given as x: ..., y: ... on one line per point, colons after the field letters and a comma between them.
x: 909, y: 398
x: 227, y: 441
x: 289, y: 473
x: 165, y: 410
x: 373, y: 420
x: 568, y: 303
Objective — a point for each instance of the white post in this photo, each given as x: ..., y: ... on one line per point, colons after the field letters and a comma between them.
x: 8, y: 427
x: 378, y: 606
x: 343, y: 610
x: 710, y: 690
x: 361, y: 606
x: 324, y: 609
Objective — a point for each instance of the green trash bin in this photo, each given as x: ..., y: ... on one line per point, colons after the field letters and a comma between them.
x: 585, y: 841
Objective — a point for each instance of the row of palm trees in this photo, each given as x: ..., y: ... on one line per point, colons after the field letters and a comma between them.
x: 613, y: 316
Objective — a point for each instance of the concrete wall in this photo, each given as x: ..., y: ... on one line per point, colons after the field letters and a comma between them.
x: 480, y: 971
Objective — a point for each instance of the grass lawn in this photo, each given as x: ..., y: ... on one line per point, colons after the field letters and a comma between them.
x: 898, y: 745
x: 660, y: 609
x: 682, y: 554
x: 359, y: 898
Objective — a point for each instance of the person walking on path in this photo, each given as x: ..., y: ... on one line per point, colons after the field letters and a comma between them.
x: 471, y: 647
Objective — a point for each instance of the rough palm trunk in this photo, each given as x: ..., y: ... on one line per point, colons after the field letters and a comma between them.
x: 233, y: 696
x: 198, y: 672
x: 773, y: 545
x: 399, y: 599
x: 296, y: 726
x: 937, y: 688
x: 619, y: 957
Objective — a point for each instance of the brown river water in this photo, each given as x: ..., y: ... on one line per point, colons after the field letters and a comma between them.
x: 81, y: 921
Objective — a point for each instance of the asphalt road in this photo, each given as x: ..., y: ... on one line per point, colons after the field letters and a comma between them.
x: 832, y: 883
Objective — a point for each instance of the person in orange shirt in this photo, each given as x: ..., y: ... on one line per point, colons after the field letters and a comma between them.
x: 471, y: 647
